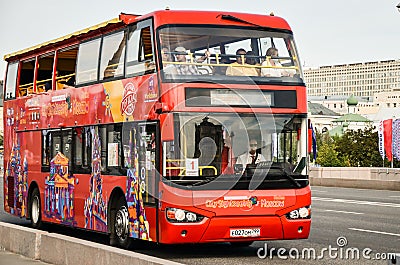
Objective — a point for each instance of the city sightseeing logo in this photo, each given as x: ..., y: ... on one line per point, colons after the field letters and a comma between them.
x: 340, y: 251
x: 129, y: 99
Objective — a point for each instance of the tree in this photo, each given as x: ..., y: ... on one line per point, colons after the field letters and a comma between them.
x: 327, y: 155
x: 360, y: 148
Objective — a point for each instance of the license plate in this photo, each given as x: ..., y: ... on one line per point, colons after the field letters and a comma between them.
x: 246, y: 232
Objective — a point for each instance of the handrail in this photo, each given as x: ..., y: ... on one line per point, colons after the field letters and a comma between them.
x: 45, y: 80
x: 64, y: 76
x: 183, y: 169
x: 230, y: 65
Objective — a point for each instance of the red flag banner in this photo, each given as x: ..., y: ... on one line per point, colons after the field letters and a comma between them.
x: 387, y: 132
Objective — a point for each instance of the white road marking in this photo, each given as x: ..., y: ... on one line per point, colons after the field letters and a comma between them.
x: 384, y: 204
x: 318, y: 191
x: 334, y: 211
x: 394, y: 196
x: 375, y: 232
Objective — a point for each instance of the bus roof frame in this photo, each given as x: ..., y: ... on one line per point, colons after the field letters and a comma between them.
x: 163, y: 17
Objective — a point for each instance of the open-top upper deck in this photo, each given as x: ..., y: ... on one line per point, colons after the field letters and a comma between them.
x: 160, y: 18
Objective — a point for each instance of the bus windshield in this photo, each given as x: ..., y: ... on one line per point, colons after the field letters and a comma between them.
x: 216, y: 144
x: 227, y: 53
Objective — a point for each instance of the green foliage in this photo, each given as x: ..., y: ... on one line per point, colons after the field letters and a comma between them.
x: 360, y: 148
x: 354, y: 149
x: 327, y: 156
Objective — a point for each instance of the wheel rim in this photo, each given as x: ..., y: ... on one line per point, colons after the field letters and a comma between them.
x: 35, y: 210
x: 121, y: 223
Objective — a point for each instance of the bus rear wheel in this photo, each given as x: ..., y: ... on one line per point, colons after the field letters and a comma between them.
x: 120, y: 231
x: 35, y: 210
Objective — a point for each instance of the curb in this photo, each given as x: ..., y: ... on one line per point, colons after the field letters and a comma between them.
x: 65, y: 250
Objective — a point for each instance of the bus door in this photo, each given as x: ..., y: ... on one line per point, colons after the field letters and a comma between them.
x: 143, y: 179
x: 60, y: 183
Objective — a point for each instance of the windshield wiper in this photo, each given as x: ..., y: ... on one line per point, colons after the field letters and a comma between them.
x: 203, y: 181
x: 288, y: 176
x: 236, y: 19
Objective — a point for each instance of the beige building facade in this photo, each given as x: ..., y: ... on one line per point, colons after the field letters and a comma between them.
x: 358, y: 79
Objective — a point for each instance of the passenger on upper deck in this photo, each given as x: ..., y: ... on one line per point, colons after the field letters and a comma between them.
x: 168, y: 68
x: 252, y: 60
x: 185, y: 68
x: 240, y: 68
x: 273, y: 62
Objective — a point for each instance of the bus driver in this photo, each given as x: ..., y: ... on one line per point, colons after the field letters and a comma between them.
x: 250, y: 157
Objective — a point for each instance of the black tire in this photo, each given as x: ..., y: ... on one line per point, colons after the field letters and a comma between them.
x: 35, y: 211
x: 241, y: 244
x: 119, y: 236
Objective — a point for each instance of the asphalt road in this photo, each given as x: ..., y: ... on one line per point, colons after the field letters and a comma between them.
x: 344, y: 222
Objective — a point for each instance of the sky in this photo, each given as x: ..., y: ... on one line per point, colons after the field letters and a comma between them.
x: 326, y: 32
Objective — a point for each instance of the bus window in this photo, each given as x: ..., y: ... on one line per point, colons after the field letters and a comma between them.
x: 55, y: 144
x: 66, y: 62
x: 102, y: 133
x: 46, y: 138
x: 78, y: 147
x: 110, y: 144
x: 67, y: 144
x: 215, y: 141
x: 140, y: 57
x: 26, y: 77
x: 11, y: 80
x: 113, y: 55
x: 88, y: 60
x: 44, y: 73
x: 87, y: 148
x: 223, y: 43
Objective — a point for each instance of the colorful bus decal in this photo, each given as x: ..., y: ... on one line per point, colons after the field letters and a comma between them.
x: 138, y: 224
x: 95, y: 205
x: 17, y: 179
x: 59, y: 191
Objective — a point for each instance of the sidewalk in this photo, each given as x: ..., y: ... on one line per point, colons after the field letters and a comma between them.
x: 8, y: 258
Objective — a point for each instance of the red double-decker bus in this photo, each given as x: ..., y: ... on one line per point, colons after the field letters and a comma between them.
x: 163, y: 128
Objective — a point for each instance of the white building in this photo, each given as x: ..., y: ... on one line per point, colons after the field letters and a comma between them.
x: 321, y: 117
x: 362, y: 80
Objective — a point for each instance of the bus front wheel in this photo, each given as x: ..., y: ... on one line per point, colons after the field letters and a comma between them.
x: 35, y: 210
x: 120, y: 230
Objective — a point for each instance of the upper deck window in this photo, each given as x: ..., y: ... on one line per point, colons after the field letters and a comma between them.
x: 140, y: 56
x: 113, y: 55
x: 44, y: 74
x: 26, y: 77
x: 11, y: 80
x: 88, y: 61
x: 233, y: 54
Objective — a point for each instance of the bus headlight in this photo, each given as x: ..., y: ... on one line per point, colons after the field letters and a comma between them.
x: 301, y: 213
x: 175, y: 215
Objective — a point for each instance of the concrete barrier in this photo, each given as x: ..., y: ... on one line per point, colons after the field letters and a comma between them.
x: 356, y: 177
x: 65, y: 250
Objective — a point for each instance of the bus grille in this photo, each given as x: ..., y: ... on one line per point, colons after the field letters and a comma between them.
x: 11, y: 193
